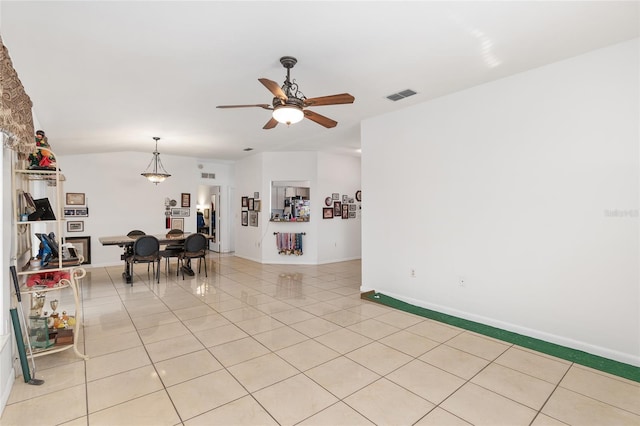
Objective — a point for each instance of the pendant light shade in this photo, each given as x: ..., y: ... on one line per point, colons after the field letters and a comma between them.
x: 155, y: 171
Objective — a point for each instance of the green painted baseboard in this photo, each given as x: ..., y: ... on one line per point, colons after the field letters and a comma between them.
x: 579, y: 357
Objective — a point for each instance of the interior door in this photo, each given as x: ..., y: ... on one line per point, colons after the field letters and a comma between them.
x: 214, y: 218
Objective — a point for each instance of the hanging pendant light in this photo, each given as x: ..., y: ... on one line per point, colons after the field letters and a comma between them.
x: 156, y: 174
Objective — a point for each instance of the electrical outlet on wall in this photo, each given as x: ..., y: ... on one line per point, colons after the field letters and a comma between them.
x: 413, y: 273
x: 462, y: 281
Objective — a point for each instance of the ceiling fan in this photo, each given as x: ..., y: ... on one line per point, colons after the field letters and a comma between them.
x: 289, y: 104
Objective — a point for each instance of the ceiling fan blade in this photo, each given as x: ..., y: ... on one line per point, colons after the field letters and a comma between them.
x: 265, y: 106
x: 343, y: 98
x: 320, y: 119
x: 271, y: 124
x: 273, y: 88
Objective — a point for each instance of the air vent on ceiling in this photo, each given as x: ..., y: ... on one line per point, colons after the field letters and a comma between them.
x: 208, y: 175
x: 401, y: 95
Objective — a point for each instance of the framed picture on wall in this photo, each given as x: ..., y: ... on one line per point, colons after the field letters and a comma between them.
x: 82, y: 246
x: 177, y: 223
x: 250, y: 205
x: 245, y: 202
x: 75, y: 198
x: 84, y: 212
x: 345, y: 211
x: 256, y: 205
x: 337, y: 208
x: 180, y: 212
x: 245, y: 218
x: 327, y: 212
x: 205, y: 214
x: 75, y: 226
x: 253, y: 218
x: 186, y: 199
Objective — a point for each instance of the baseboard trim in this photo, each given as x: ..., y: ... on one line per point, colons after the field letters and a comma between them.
x: 597, y: 362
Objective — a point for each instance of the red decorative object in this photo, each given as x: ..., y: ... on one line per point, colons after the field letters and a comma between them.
x: 48, y: 279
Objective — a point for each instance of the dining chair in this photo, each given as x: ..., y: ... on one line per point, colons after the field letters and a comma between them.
x: 195, y: 247
x: 146, y: 249
x: 173, y: 249
x: 136, y: 233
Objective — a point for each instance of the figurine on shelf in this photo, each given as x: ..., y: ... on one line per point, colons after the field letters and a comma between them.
x: 42, y: 158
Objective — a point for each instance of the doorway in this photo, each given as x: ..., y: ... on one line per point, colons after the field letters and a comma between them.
x: 214, y: 219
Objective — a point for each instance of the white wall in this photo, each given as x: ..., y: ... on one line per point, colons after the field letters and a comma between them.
x: 514, y: 185
x: 325, y: 240
x: 248, y: 181
x: 119, y: 199
x: 7, y: 341
x: 341, y: 239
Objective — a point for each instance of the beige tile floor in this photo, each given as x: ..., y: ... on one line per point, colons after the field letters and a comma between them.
x: 260, y: 344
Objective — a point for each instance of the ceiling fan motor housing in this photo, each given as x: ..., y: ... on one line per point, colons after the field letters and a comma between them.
x: 291, y: 102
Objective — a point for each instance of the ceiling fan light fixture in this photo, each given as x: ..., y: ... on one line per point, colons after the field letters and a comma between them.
x: 288, y: 114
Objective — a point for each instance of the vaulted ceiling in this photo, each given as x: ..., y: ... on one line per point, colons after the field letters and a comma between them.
x: 109, y: 76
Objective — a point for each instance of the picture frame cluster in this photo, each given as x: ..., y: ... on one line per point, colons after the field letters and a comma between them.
x: 345, y: 207
x: 250, y: 208
x: 75, y: 206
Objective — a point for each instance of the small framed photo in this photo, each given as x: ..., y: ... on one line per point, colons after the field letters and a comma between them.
x: 251, y: 204
x: 31, y: 205
x: 335, y: 196
x: 75, y: 198
x: 345, y: 211
x: 337, y: 208
x: 345, y: 199
x: 352, y: 207
x: 245, y: 202
x: 352, y: 215
x: 245, y: 218
x: 84, y: 212
x: 327, y: 212
x: 253, y: 218
x: 186, y: 199
x: 257, y: 205
x: 205, y: 214
x: 82, y: 246
x: 180, y: 212
x: 177, y: 223
x: 68, y: 212
x: 256, y: 195
x: 75, y: 226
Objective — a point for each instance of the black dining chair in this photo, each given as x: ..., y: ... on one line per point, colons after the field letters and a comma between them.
x: 172, y: 249
x: 146, y: 249
x: 195, y: 247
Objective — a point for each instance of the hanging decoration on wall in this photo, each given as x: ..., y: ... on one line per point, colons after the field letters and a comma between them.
x: 16, y: 119
x: 289, y: 243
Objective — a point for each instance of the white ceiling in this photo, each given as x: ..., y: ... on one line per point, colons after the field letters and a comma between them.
x: 108, y: 76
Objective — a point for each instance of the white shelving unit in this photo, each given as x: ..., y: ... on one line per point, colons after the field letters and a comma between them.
x: 26, y: 180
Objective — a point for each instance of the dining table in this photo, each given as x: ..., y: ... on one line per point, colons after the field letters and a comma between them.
x: 126, y: 242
